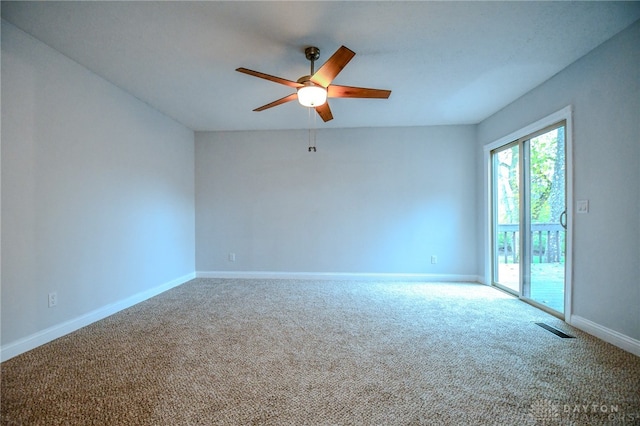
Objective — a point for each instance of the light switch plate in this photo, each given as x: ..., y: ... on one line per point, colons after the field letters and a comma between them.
x: 582, y: 206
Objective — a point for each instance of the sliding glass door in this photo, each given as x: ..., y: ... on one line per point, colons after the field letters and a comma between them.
x: 529, y: 217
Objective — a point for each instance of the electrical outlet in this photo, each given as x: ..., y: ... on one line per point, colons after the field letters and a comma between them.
x: 232, y: 257
x: 434, y: 259
x: 53, y: 299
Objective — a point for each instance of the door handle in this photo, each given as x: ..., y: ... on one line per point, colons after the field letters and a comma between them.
x: 563, y: 219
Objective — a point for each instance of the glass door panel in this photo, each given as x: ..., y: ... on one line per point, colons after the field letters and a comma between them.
x: 546, y: 219
x: 506, y: 223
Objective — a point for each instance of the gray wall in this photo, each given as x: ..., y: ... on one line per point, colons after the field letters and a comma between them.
x: 97, y: 191
x: 369, y: 200
x: 604, y: 89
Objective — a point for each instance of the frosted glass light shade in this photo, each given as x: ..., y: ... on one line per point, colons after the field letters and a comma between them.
x: 312, y: 96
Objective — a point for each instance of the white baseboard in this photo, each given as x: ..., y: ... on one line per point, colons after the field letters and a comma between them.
x: 337, y: 276
x: 620, y: 340
x: 47, y: 335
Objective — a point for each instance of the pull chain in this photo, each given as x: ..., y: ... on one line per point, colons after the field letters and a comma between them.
x: 312, y: 130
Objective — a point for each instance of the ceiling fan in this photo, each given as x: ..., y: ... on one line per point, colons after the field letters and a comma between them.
x: 313, y: 90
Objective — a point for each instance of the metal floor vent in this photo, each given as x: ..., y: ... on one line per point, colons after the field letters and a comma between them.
x: 555, y: 331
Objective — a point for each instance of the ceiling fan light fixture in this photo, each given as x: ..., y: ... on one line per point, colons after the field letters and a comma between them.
x: 311, y: 95
x: 312, y: 90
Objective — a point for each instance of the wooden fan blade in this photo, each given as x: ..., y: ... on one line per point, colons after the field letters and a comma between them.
x: 270, y: 77
x: 288, y: 98
x: 327, y: 72
x: 324, y: 112
x: 334, y: 91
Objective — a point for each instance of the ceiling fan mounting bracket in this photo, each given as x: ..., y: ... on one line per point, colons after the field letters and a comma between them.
x: 312, y: 53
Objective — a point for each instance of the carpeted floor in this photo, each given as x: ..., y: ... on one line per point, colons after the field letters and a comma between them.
x: 289, y: 352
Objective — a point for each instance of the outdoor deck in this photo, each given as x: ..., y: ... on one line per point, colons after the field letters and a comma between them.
x: 547, y: 268
x: 547, y: 285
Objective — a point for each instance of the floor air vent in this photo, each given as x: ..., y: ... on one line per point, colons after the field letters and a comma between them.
x: 555, y: 331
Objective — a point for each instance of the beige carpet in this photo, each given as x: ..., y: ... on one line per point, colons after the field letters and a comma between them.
x: 289, y: 352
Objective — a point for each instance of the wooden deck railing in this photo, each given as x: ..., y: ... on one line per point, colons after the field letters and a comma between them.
x: 547, y: 240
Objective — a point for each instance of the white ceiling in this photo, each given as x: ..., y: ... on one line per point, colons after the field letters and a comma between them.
x: 445, y: 62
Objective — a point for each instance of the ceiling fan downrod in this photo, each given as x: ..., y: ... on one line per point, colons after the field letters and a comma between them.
x: 312, y: 53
